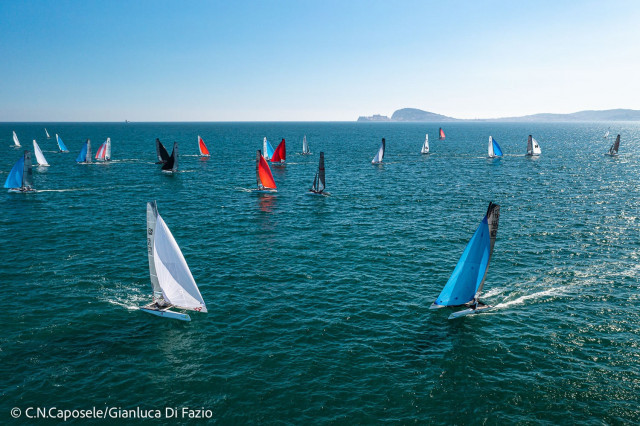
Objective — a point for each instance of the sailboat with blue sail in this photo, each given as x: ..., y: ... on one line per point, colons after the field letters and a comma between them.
x: 267, y: 149
x: 84, y: 157
x: 20, y: 177
x: 494, y: 148
x: 61, y: 146
x: 468, y: 277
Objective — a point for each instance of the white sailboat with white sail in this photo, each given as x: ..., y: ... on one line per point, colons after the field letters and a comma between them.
x: 425, y: 145
x: 16, y: 142
x: 533, y: 147
x: 39, y: 155
x: 380, y: 154
x: 305, y: 146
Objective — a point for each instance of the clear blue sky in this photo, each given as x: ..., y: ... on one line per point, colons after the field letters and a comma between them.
x: 313, y: 60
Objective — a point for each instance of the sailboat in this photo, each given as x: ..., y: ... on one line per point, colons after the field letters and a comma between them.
x: 318, y: 180
x: 264, y: 177
x: 39, y: 155
x: 20, y: 177
x: 466, y: 281
x: 613, y: 151
x: 305, y: 146
x: 204, y: 152
x: 171, y: 166
x: 441, y: 133
x: 84, y: 157
x: 171, y: 280
x: 606, y: 135
x: 16, y: 142
x: 161, y: 152
x: 280, y: 154
x: 494, y: 148
x: 61, y: 146
x: 104, y: 152
x: 533, y: 148
x: 267, y: 149
x: 47, y: 133
x: 380, y: 155
x: 425, y: 145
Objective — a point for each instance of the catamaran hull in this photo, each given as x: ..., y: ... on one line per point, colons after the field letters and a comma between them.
x: 470, y: 311
x: 265, y: 191
x: 165, y: 313
x: 318, y: 194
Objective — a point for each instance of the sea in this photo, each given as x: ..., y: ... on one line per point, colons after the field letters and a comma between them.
x: 318, y: 307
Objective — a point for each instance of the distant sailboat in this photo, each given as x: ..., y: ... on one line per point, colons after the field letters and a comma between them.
x: 606, y: 135
x: 318, y: 181
x: 204, y: 152
x: 47, y: 133
x: 39, y: 155
x: 380, y: 155
x: 466, y: 281
x: 61, y: 146
x: 280, y: 154
x: 441, y: 132
x: 267, y: 149
x: 264, y: 177
x: 20, y: 177
x: 104, y: 152
x: 305, y: 146
x: 162, y: 153
x: 533, y: 148
x: 171, y: 166
x: 613, y: 151
x: 84, y: 157
x: 425, y: 145
x: 16, y: 142
x: 494, y: 148
x: 171, y: 280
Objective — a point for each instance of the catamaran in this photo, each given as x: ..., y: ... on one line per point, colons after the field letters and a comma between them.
x: 318, y: 180
x: 264, y: 177
x: 305, y: 146
x: 61, y: 146
x: 380, y: 155
x: 425, y: 145
x: 267, y: 149
x: 613, y: 151
x: 533, y: 148
x: 47, y: 133
x: 39, y: 155
x: 171, y: 280
x: 466, y: 281
x: 16, y: 142
x: 494, y: 148
x: 441, y: 132
x: 161, y: 152
x: 104, y: 152
x: 20, y: 177
x: 280, y: 154
x: 84, y: 157
x: 171, y: 166
x: 204, y: 152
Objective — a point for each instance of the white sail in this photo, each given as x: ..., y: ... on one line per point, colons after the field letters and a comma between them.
x: 380, y: 155
x: 536, y: 147
x: 491, y: 153
x: 45, y: 130
x: 305, y: 145
x: 425, y: 146
x: 15, y: 139
x: 107, y: 155
x: 39, y: 155
x: 172, y: 272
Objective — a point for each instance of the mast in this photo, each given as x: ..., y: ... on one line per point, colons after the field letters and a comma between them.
x: 152, y: 213
x: 88, y: 157
x: 493, y: 216
x: 27, y: 172
x: 529, y: 146
x: 258, y: 155
x: 321, y: 183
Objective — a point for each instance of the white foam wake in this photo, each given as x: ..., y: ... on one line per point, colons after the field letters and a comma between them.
x: 558, y: 291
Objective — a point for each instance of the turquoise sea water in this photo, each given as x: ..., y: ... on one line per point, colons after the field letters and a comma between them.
x: 319, y: 306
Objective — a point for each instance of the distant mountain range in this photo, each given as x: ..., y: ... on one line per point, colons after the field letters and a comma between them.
x: 418, y: 115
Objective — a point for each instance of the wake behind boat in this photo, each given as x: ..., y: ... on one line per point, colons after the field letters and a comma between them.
x: 264, y: 177
x: 613, y: 151
x: 20, y: 177
x: 171, y: 280
x: 466, y: 281
x: 318, y: 180
x: 380, y: 154
x: 494, y: 148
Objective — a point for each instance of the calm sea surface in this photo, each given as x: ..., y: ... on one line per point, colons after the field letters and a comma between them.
x: 319, y: 306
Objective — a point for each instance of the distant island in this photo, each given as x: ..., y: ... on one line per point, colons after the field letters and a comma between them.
x: 418, y: 115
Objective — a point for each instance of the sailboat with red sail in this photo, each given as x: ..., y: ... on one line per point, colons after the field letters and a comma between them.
x: 204, y: 152
x: 264, y: 177
x: 441, y: 134
x: 280, y: 154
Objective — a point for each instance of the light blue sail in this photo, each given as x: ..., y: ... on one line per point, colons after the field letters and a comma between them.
x: 82, y: 157
x: 268, y: 149
x: 61, y: 144
x: 496, y: 148
x: 14, y: 180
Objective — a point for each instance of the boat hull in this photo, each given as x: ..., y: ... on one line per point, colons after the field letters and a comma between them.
x: 470, y: 311
x: 165, y: 313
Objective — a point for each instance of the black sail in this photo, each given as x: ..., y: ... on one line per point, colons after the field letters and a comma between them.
x: 161, y: 151
x: 172, y: 162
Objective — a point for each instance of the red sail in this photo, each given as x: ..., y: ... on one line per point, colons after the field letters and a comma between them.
x: 266, y: 178
x: 441, y: 133
x: 203, y: 148
x: 280, y: 154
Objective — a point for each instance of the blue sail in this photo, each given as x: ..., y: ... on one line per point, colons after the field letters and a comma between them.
x: 14, y: 180
x: 61, y: 144
x: 268, y: 149
x: 468, y: 276
x: 496, y: 149
x: 82, y: 157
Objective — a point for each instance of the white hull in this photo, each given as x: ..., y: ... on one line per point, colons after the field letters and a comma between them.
x: 166, y: 313
x: 470, y: 311
x: 21, y: 191
x: 265, y: 191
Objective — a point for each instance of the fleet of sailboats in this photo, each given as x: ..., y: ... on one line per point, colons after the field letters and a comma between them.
x: 533, y: 148
x: 380, y: 154
x: 104, y: 152
x: 84, y: 157
x: 305, y: 146
x: 318, y: 181
x: 39, y: 155
x: 494, y: 148
x: 613, y: 151
x: 61, y: 146
x: 16, y: 142
x: 204, y: 152
x: 264, y: 178
x: 425, y: 145
x: 20, y: 177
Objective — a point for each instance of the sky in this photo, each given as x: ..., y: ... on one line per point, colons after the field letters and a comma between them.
x: 308, y: 60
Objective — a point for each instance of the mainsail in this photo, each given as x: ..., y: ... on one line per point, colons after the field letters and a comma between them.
x: 104, y: 152
x: 494, y: 148
x: 16, y: 142
x: 380, y: 155
x: 21, y: 174
x: 39, y: 155
x: 318, y: 180
x: 47, y: 133
x: 61, y: 146
x: 425, y: 145
x: 533, y: 148
x: 161, y: 151
x: 441, y: 132
x: 267, y: 149
x: 264, y: 177
x: 614, y: 148
x: 280, y: 154
x: 172, y: 163
x: 305, y: 146
x: 204, y: 152
x: 84, y: 157
x: 467, y: 279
